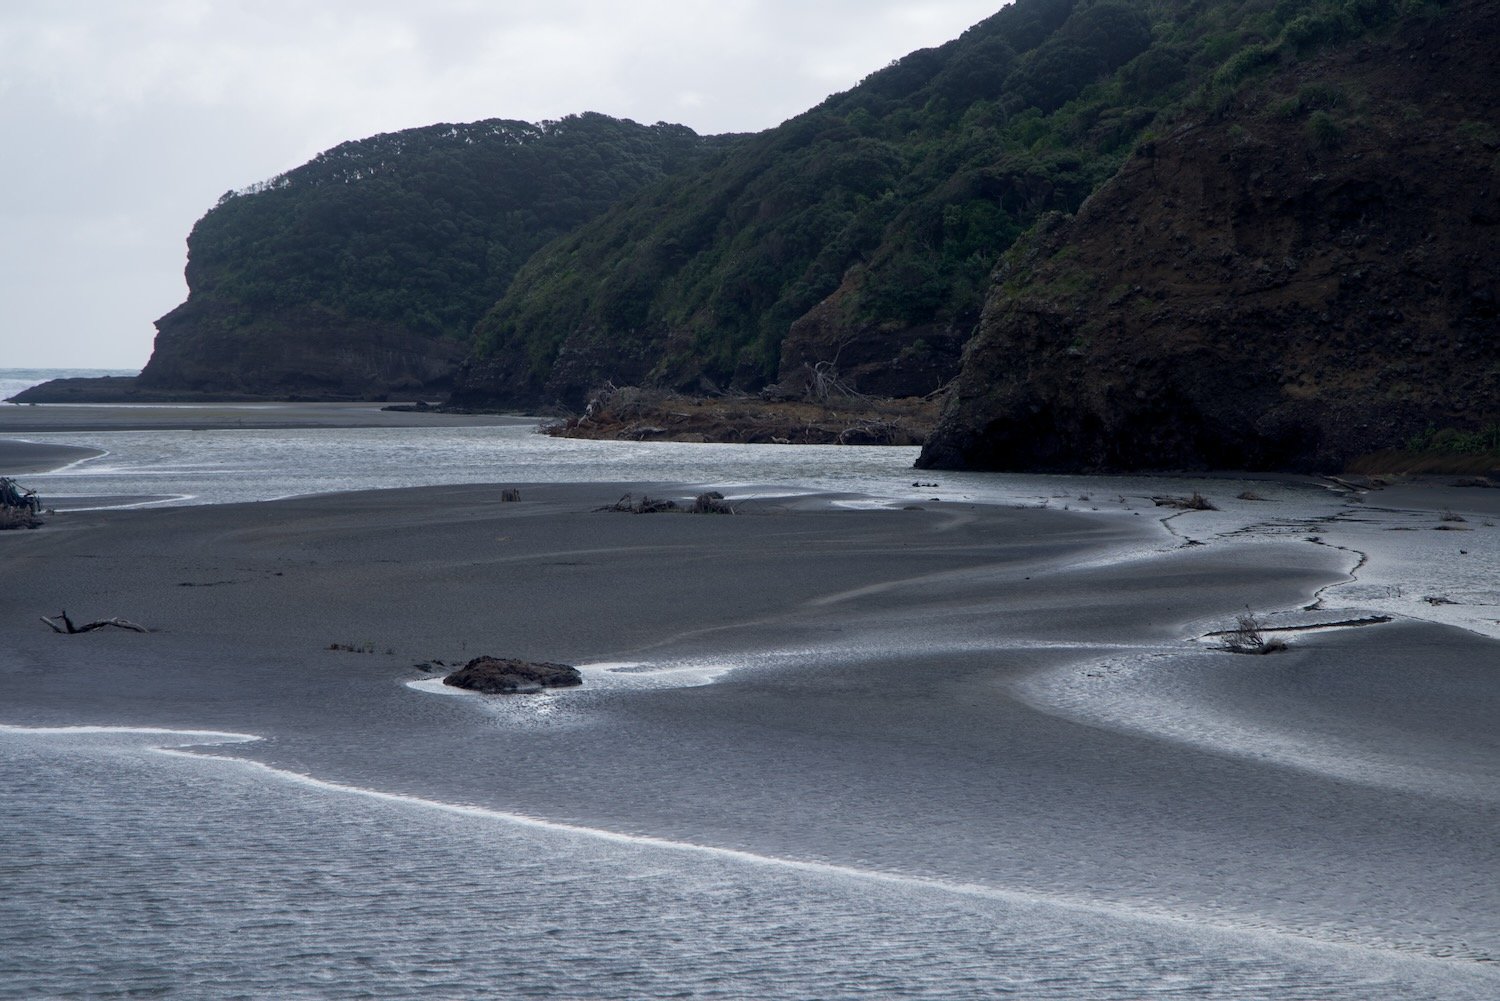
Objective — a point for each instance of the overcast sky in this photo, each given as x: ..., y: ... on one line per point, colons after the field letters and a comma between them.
x: 122, y: 121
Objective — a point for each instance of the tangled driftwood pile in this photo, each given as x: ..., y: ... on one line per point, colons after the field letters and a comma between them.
x: 19, y: 507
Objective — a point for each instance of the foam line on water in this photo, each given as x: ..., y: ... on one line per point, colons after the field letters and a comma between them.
x: 135, y: 505
x: 1385, y: 952
x: 818, y: 868
x: 102, y: 453
x: 190, y: 736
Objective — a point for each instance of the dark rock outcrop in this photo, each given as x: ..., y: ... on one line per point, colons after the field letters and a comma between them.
x: 504, y: 676
x: 360, y: 274
x: 856, y: 236
x: 890, y: 359
x: 1306, y: 275
x: 305, y: 352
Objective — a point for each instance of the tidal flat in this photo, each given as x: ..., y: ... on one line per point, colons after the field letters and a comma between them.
x: 958, y: 739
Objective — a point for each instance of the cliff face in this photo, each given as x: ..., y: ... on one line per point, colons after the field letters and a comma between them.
x: 1304, y: 274
x: 853, y: 239
x: 362, y: 272
x: 894, y: 359
x: 303, y: 351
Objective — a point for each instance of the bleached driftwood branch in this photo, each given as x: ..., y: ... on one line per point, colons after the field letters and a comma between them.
x: 63, y: 624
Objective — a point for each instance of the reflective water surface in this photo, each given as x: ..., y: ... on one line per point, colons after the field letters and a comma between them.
x: 186, y: 877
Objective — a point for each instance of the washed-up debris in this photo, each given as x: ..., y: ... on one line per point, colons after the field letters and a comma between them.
x: 1197, y: 502
x: 19, y: 507
x: 63, y: 624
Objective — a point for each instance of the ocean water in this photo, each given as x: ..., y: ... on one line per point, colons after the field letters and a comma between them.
x: 190, y: 876
x: 14, y: 380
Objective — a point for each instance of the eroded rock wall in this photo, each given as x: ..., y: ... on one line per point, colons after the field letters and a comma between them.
x: 1307, y: 275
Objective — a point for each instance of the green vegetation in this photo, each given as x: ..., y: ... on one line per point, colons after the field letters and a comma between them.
x: 700, y: 253
x: 422, y: 228
x: 1438, y: 451
x: 1452, y: 441
x: 904, y: 191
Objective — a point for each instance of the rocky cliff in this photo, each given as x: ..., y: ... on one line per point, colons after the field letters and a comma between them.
x: 361, y: 273
x: 854, y: 239
x: 1305, y: 270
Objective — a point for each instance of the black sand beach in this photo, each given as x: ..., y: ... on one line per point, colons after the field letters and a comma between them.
x: 18, y: 457
x: 971, y: 693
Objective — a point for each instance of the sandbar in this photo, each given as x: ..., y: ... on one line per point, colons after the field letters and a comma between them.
x: 73, y: 417
x: 38, y: 457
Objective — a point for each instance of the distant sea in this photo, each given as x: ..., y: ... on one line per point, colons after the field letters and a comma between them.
x: 14, y: 380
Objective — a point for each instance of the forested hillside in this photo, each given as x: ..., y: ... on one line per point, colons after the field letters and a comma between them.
x: 1229, y: 232
x: 899, y: 194
x: 860, y: 235
x: 364, y: 270
x: 1303, y: 271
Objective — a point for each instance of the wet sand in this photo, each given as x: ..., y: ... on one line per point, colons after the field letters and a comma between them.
x: 1016, y: 698
x: 1021, y: 699
x: 18, y: 457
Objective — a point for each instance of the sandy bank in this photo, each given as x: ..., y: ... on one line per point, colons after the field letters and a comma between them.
x: 880, y: 705
x: 31, y: 457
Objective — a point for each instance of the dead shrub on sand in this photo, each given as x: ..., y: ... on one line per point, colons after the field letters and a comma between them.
x: 1249, y: 636
x: 1197, y: 502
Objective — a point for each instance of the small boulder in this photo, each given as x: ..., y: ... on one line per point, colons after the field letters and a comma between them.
x: 505, y: 676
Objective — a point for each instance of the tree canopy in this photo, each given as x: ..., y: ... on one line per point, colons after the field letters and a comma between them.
x: 423, y: 228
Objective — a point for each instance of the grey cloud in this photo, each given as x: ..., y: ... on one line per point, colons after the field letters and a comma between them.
x: 124, y: 122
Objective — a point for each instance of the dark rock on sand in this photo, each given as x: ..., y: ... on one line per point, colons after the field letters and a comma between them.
x: 505, y: 676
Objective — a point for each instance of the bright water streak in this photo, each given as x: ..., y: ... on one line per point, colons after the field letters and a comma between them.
x: 218, y: 879
x: 227, y: 466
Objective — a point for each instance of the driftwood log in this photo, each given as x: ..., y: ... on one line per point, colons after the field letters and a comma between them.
x: 63, y: 624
